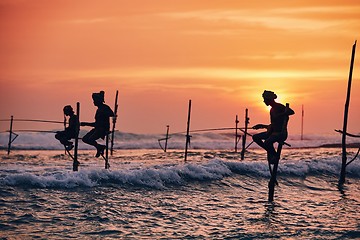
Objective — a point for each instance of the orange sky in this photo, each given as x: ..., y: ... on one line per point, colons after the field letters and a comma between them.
x: 160, y: 53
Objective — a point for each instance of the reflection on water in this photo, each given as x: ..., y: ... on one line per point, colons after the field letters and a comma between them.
x: 152, y: 195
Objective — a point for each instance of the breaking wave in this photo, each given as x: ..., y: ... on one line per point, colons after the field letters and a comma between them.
x: 165, y: 176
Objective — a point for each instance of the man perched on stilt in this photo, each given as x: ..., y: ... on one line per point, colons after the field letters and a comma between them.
x: 70, y: 131
x: 275, y: 130
x: 101, y: 126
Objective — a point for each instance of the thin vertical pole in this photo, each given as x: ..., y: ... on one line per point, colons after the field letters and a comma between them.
x: 245, y: 134
x: 10, y: 134
x: 273, y: 180
x: 346, y: 112
x: 188, y: 131
x: 107, y: 152
x: 236, y: 132
x: 302, y: 122
x: 76, y: 162
x: 114, y: 123
x: 65, y: 129
x: 167, y: 137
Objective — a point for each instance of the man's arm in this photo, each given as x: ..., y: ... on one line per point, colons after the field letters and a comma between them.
x: 259, y: 126
x: 289, y: 111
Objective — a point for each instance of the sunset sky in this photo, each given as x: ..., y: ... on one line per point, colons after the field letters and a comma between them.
x: 161, y: 53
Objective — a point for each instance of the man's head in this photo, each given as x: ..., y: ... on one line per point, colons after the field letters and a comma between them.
x: 269, y: 97
x: 98, y: 98
x: 68, y: 110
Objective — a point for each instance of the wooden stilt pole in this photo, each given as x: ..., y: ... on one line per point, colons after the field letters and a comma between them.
x: 346, y: 111
x: 236, y: 132
x: 187, y: 132
x: 273, y: 172
x: 302, y: 122
x: 76, y: 162
x: 245, y: 134
x: 107, y: 165
x: 114, y: 123
x: 167, y: 137
x: 273, y: 180
x: 10, y: 134
x: 65, y: 152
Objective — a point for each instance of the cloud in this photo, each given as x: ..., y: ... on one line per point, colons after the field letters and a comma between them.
x: 145, y: 74
x: 295, y: 55
x: 87, y: 21
x: 291, y: 19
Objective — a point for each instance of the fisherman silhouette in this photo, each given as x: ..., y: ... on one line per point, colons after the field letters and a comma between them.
x: 101, y: 126
x: 276, y: 130
x: 70, y: 131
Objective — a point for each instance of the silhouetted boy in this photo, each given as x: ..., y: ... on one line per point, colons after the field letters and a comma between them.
x: 101, y: 126
x: 70, y: 131
x: 276, y: 130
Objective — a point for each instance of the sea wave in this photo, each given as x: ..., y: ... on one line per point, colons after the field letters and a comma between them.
x: 164, y: 176
x: 123, y: 140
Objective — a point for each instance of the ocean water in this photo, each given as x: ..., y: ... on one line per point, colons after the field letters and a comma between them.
x: 149, y: 194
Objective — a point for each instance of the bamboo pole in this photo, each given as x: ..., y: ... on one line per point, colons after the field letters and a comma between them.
x: 107, y: 165
x: 346, y: 112
x: 245, y: 134
x: 114, y: 123
x: 10, y: 134
x: 167, y: 137
x: 76, y: 162
x: 188, y: 131
x: 273, y: 180
x: 236, y: 132
x: 65, y: 152
x: 302, y: 122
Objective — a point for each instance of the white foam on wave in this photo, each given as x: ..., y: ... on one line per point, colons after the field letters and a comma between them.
x: 52, y: 180
x: 162, y: 176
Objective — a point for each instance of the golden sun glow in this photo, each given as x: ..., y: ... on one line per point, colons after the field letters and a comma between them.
x: 159, y: 54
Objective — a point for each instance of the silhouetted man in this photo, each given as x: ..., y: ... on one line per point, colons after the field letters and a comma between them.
x: 276, y: 130
x: 101, y: 126
x: 70, y: 131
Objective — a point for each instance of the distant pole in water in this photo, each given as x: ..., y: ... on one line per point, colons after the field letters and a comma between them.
x: 76, y: 162
x: 245, y: 134
x: 302, y: 122
x: 167, y: 137
x: 114, y: 123
x: 10, y: 134
x: 188, y: 131
x: 346, y: 112
x: 236, y: 132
